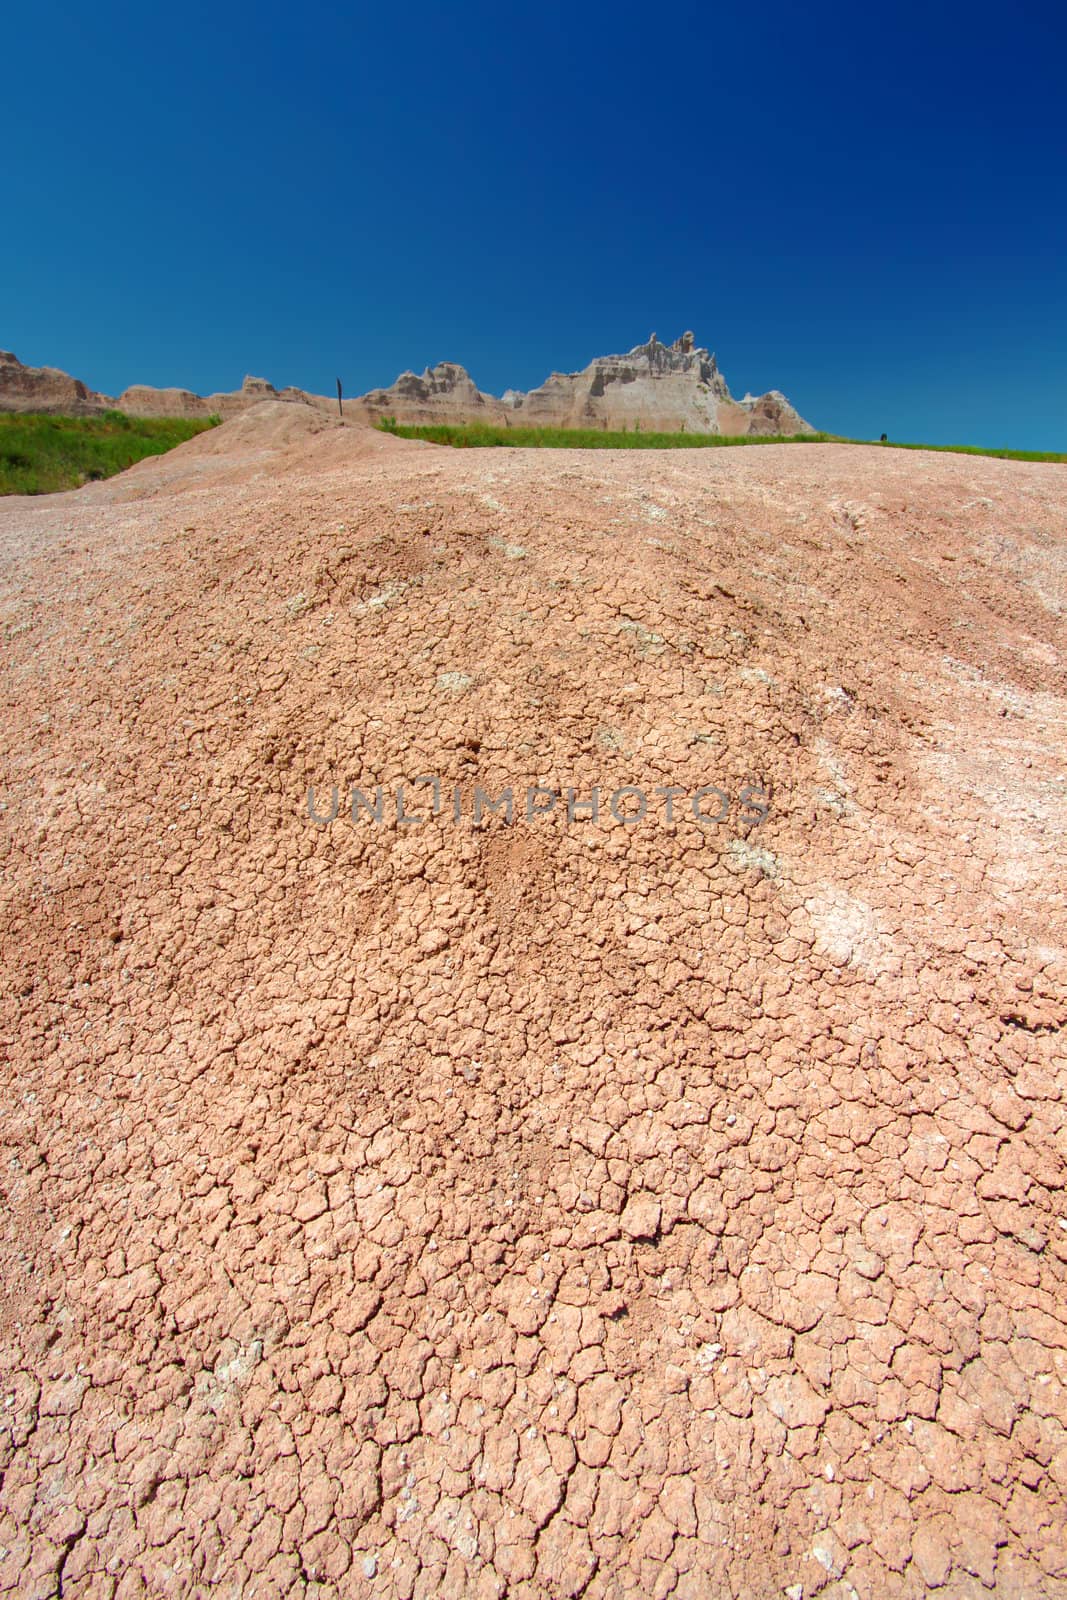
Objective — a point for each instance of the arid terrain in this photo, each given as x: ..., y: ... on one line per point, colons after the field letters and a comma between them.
x: 539, y: 1208
x: 653, y: 386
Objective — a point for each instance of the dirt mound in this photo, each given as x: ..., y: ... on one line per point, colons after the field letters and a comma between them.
x: 269, y: 426
x: 535, y: 1202
x: 271, y: 439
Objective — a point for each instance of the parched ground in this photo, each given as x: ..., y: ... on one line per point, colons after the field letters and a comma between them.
x: 548, y: 1208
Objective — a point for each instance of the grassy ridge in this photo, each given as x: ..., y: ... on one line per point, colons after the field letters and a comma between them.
x: 41, y: 453
x: 478, y: 435
x: 1003, y: 454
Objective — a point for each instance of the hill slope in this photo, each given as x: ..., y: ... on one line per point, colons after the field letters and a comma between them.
x: 545, y: 1207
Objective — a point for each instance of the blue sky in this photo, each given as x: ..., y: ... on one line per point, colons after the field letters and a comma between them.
x: 862, y: 205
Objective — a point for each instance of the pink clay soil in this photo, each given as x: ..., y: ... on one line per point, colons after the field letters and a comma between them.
x: 548, y: 1208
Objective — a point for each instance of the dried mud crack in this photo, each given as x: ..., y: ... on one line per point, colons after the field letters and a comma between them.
x: 544, y: 1207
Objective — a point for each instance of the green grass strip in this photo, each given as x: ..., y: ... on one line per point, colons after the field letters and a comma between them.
x: 41, y: 453
x: 480, y: 436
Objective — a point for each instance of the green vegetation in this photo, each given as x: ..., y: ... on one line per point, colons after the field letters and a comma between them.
x: 1003, y: 454
x: 41, y: 453
x: 477, y: 435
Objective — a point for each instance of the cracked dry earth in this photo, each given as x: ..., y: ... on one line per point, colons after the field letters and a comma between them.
x: 544, y: 1209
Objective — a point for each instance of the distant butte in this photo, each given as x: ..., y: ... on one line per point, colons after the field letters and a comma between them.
x: 671, y: 387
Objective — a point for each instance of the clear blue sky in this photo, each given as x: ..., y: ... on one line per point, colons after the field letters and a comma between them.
x: 864, y: 205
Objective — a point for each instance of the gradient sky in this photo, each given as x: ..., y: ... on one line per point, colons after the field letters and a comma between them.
x: 862, y: 205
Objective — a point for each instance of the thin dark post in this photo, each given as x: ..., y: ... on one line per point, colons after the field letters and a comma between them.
x: 340, y: 413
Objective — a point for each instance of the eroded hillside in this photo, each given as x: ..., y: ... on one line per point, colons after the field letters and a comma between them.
x: 548, y: 1207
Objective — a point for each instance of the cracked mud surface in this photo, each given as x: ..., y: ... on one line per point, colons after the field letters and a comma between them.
x: 544, y: 1209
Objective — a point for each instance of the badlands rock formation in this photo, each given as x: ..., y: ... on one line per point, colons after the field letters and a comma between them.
x: 144, y: 401
x: 655, y: 386
x: 48, y: 389
x: 45, y: 389
x: 533, y: 1209
x: 445, y: 393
